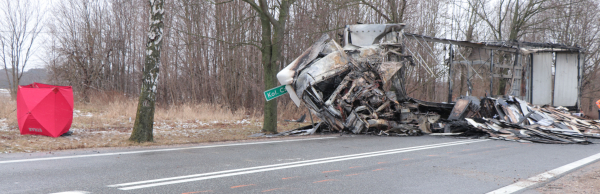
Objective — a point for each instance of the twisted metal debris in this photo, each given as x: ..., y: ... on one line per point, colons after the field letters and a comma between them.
x: 358, y: 89
x: 516, y: 120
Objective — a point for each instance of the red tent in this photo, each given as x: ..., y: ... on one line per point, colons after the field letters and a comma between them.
x: 44, y: 109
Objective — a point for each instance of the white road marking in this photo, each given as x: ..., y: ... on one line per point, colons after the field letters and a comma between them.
x: 235, y: 172
x: 72, y: 192
x: 159, y: 150
x: 276, y: 165
x: 545, y: 176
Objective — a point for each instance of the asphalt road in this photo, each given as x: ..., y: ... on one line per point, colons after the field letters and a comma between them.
x: 318, y: 164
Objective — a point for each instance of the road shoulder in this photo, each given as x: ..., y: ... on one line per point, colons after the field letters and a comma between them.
x: 583, y: 180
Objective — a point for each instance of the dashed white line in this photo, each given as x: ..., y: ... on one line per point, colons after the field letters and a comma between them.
x: 545, y: 176
x: 159, y: 150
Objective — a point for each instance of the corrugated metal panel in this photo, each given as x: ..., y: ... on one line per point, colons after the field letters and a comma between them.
x: 541, y: 91
x: 565, y: 85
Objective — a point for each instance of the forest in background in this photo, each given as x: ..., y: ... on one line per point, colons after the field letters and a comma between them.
x: 211, y: 54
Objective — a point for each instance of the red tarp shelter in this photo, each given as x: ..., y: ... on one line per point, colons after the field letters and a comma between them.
x: 44, y: 109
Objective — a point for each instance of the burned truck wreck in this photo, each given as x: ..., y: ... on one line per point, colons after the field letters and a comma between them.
x: 358, y: 88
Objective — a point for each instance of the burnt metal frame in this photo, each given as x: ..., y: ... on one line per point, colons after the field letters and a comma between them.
x: 507, y: 46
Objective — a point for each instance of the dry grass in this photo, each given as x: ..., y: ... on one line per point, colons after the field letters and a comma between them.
x: 8, y: 110
x: 107, y: 121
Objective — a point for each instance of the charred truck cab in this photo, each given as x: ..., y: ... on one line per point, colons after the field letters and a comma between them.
x: 359, y: 87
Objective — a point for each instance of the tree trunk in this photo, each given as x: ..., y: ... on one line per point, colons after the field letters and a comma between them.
x: 271, y: 43
x: 270, y: 108
x: 144, y: 120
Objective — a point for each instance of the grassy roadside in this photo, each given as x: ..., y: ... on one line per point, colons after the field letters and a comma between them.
x: 108, y: 121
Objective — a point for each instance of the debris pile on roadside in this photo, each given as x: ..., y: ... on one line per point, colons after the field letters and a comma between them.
x: 358, y: 89
x: 506, y: 118
x: 513, y: 119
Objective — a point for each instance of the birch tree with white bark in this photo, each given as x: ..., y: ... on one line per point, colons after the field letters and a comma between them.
x: 144, y: 120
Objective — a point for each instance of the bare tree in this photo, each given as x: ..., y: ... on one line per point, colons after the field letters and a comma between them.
x: 205, y: 57
x: 513, y: 17
x: 20, y: 27
x: 144, y: 119
x: 97, y: 46
x: 578, y: 24
x: 78, y: 31
x: 271, y: 42
x: 391, y: 10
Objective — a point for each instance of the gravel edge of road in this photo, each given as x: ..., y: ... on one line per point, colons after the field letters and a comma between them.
x: 582, y: 180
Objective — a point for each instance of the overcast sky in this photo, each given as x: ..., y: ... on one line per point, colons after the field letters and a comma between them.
x: 38, y: 58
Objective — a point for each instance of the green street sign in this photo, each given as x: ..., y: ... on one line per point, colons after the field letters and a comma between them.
x: 275, y: 92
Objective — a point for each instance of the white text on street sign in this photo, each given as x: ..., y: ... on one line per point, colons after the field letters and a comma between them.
x: 275, y: 92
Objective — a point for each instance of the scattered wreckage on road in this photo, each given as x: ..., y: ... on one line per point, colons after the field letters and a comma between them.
x: 513, y: 119
x: 359, y: 89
